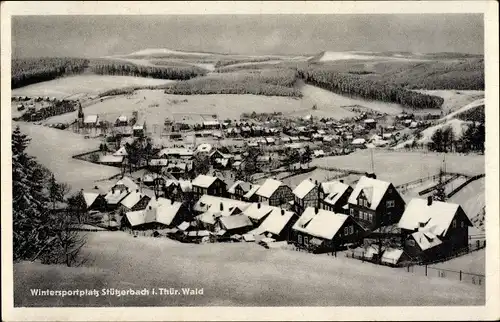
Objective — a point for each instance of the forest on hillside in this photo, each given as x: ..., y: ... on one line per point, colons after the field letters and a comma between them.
x: 28, y: 71
x: 357, y: 85
x: 272, y: 82
x: 122, y: 68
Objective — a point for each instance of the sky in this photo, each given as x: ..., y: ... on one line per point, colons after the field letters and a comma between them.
x: 96, y: 36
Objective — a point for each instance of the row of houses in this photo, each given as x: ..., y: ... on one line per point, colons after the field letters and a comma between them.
x: 319, y: 217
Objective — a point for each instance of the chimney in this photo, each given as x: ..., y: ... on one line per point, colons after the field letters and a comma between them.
x: 137, y: 190
x: 113, y: 190
x: 221, y: 206
x: 429, y: 201
x: 341, y: 180
x: 316, y: 210
x: 316, y: 182
x: 150, y: 207
x: 258, y: 205
x: 172, y: 201
x: 126, y: 188
x: 282, y: 212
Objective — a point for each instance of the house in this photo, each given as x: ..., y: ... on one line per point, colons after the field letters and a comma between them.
x: 138, y: 131
x: 114, y: 197
x: 121, y: 120
x: 111, y: 160
x: 209, y: 218
x: 434, y: 229
x: 211, y: 125
x: 277, y: 224
x: 319, y: 153
x: 91, y: 121
x: 135, y: 200
x: 93, y: 200
x: 217, y: 154
x: 274, y: 193
x: 122, y: 151
x: 204, y: 148
x: 126, y: 183
x: 208, y: 185
x: 207, y: 202
x: 239, y: 189
x: 258, y: 212
x: 159, y: 213
x: 178, y: 190
x: 358, y: 143
x: 375, y: 203
x: 333, y: 196
x: 306, y: 194
x: 319, y: 230
x: 176, y: 153
x: 236, y: 224
x: 370, y: 123
x: 250, y: 196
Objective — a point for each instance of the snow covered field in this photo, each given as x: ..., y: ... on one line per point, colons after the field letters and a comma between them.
x: 470, y: 263
x: 83, y: 85
x: 454, y: 100
x: 232, y: 274
x: 54, y: 149
x: 401, y: 167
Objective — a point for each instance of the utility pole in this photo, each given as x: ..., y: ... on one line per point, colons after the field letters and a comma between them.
x: 371, y: 157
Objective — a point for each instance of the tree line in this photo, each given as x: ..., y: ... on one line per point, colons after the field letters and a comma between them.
x: 41, y: 231
x: 111, y: 67
x: 472, y: 140
x: 356, y: 85
x: 28, y: 71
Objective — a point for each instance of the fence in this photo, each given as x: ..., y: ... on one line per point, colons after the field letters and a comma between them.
x: 405, y: 186
x: 461, y: 276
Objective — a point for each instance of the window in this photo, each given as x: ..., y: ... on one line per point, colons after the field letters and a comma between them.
x: 351, y: 230
x: 370, y: 217
x: 346, y: 230
x: 462, y: 224
x: 306, y: 241
x: 351, y: 212
x: 300, y: 239
x: 410, y: 242
x: 390, y: 203
x: 454, y: 223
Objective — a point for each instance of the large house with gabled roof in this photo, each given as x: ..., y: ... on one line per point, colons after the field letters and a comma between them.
x: 274, y: 193
x: 375, y: 203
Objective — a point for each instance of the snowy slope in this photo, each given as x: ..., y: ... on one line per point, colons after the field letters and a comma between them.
x: 476, y: 103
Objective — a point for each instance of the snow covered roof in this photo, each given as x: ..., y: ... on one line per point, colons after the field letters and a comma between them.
x: 252, y: 191
x: 199, y: 233
x: 110, y: 159
x: 426, y: 240
x: 138, y: 127
x: 333, y: 191
x: 391, y: 256
x: 324, y: 224
x: 204, y: 147
x: 204, y: 181
x: 206, y: 202
x: 122, y: 118
x: 127, y: 182
x: 90, y: 197
x: 318, y: 153
x: 236, y: 221
x: 211, y: 122
x: 257, y: 211
x: 436, y: 217
x: 115, y: 198
x: 373, y: 189
x: 304, y: 188
x: 158, y: 162
x: 180, y: 151
x: 359, y: 141
x: 275, y: 222
x: 136, y: 218
x: 132, y: 199
x: 91, y: 119
x: 369, y: 121
x: 244, y: 185
x: 165, y: 210
x: 270, y: 140
x: 121, y: 152
x: 183, y: 226
x: 268, y: 188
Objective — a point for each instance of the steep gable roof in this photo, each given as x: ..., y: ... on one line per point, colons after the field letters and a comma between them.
x: 324, y: 224
x: 275, y: 222
x: 204, y: 181
x: 303, y: 188
x: 268, y: 188
x: 373, y: 189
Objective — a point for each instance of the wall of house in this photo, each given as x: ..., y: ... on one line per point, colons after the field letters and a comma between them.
x: 457, y: 236
x: 282, y: 195
x: 218, y: 188
x: 387, y: 215
x: 309, y: 200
